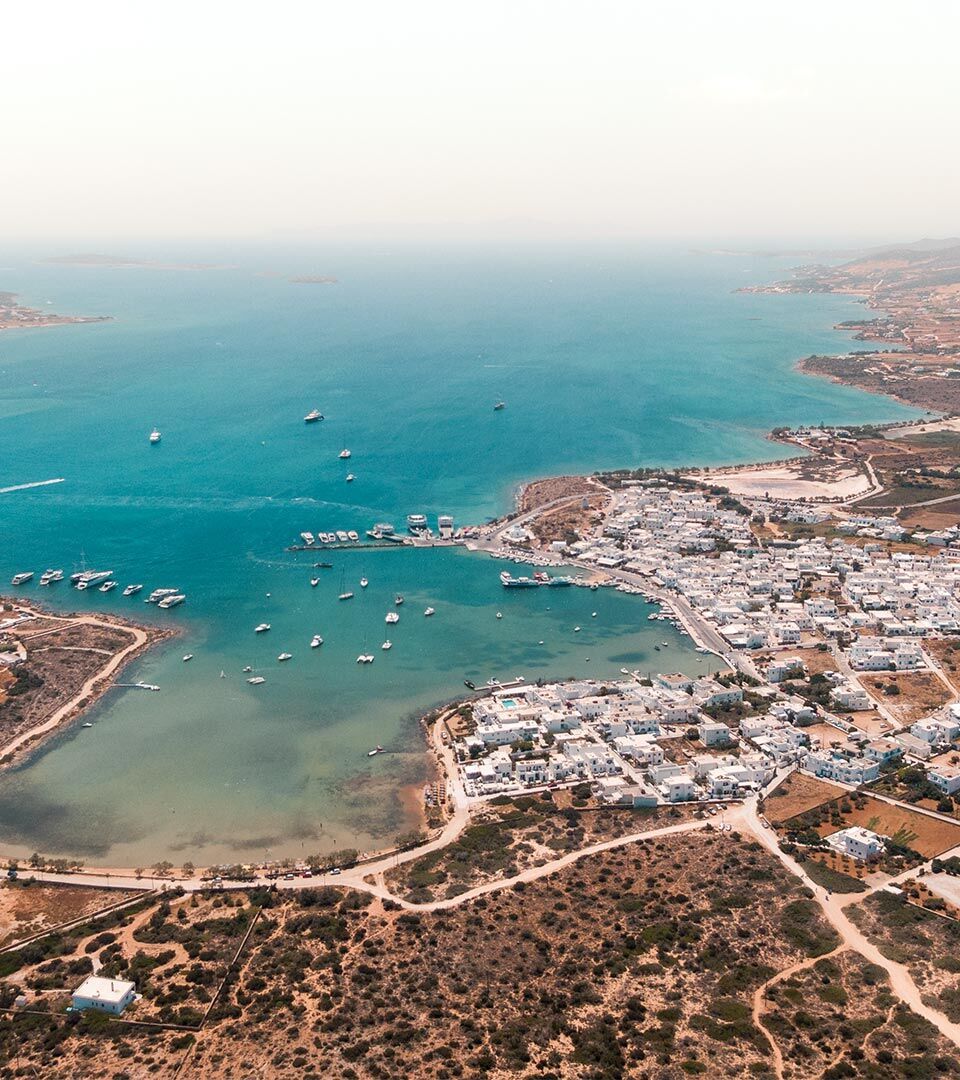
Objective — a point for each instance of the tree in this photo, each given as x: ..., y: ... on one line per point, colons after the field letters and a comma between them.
x: 162, y: 868
x: 188, y: 869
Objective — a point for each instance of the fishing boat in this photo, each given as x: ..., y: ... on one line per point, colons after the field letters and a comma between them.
x: 378, y: 749
x: 313, y: 416
x: 316, y: 641
x: 262, y: 628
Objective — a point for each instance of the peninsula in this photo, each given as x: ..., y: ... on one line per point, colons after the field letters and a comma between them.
x: 15, y: 316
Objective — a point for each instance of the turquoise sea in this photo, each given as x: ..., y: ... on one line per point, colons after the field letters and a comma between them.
x: 605, y: 358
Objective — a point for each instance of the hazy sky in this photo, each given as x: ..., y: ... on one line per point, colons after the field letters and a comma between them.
x: 683, y: 119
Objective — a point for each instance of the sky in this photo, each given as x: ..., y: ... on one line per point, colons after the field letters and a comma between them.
x: 603, y: 119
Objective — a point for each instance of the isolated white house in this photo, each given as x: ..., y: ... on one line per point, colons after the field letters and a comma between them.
x: 105, y: 995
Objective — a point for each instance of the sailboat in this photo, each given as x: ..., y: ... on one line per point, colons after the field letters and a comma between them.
x: 344, y: 595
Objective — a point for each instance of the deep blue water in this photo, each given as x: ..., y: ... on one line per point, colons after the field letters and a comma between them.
x: 604, y: 359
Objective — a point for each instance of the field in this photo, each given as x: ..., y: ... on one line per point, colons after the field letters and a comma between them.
x: 924, y: 834
x: 946, y: 651
x: 798, y: 793
x: 920, y: 693
x: 28, y: 909
x: 641, y: 961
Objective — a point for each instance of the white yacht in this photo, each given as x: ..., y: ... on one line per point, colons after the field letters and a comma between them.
x: 365, y: 658
x: 21, y: 579
x: 314, y: 581
x: 158, y: 594
x: 88, y: 578
x: 313, y: 416
x: 344, y: 454
x: 364, y: 583
x: 416, y: 522
x: 189, y: 656
x: 430, y: 611
x: 350, y: 478
x: 388, y: 644
x: 307, y: 537
x: 353, y: 536
x: 155, y: 436
x: 48, y: 577
x: 132, y: 590
x: 256, y: 680
x: 172, y: 601
x: 392, y: 617
x: 285, y: 656
x: 343, y: 536
x: 108, y: 586
x: 316, y: 641
x: 262, y: 628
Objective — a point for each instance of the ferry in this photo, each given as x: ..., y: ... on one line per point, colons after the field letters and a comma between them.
x: 416, y: 523
x: 172, y: 601
x: 344, y: 454
x: 508, y: 581
x: 132, y: 590
x: 21, y: 579
x: 391, y: 618
x: 313, y: 416
x: 262, y: 628
x: 108, y: 586
x: 158, y: 594
x: 155, y: 437
x: 430, y: 611
x: 307, y: 537
x: 316, y: 641
x: 285, y: 656
x: 388, y: 644
x: 256, y: 680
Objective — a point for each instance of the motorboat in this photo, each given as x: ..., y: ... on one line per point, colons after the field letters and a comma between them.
x: 256, y: 680
x: 350, y: 478
x: 314, y: 581
x: 48, y: 577
x: 307, y: 537
x: 132, y: 590
x: 316, y: 641
x: 576, y: 629
x: 262, y: 628
x: 285, y: 656
x: 345, y: 596
x: 398, y: 600
x: 377, y: 750
x: 353, y: 536
x: 344, y: 454
x: 88, y: 578
x: 155, y: 437
x: 499, y: 614
x: 388, y: 644
x: 172, y: 601
x: 430, y: 611
x: 364, y: 658
x: 189, y: 656
x: 343, y: 536
x: 313, y: 416
x: 158, y: 594
x: 108, y: 586
x: 392, y: 617
x: 364, y: 583
x: 21, y: 579
x: 499, y: 405
x: 247, y: 669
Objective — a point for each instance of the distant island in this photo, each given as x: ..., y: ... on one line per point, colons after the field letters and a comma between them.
x: 14, y: 316
x: 314, y: 279
x: 122, y: 262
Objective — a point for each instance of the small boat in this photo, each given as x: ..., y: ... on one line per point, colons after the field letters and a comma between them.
x: 155, y: 437
x: 593, y: 614
x: 313, y: 416
x: 350, y: 478
x: 285, y: 656
x: 323, y: 565
x: 398, y: 600
x: 364, y: 658
x: 499, y: 405
x: 262, y: 628
x: 132, y: 590
x: 189, y: 656
x: 247, y: 669
x: 353, y: 536
x: 576, y: 629
x: 223, y: 674
x: 307, y: 537
x: 342, y: 536
x: 88, y: 724
x: 657, y: 647
x: 377, y: 750
x: 314, y: 581
x: 21, y: 579
x: 391, y: 617
x: 388, y: 644
x: 108, y: 586
x: 499, y: 614
x: 316, y: 641
x: 364, y: 583
x: 469, y: 685
x: 430, y: 611
x: 344, y: 454
x: 345, y: 596
x: 146, y: 686
x: 256, y: 680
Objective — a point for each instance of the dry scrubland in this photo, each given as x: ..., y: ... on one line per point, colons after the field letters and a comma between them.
x: 642, y: 961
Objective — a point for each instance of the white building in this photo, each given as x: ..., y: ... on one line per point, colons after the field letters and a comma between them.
x: 105, y: 995
x: 857, y: 842
x: 945, y: 777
